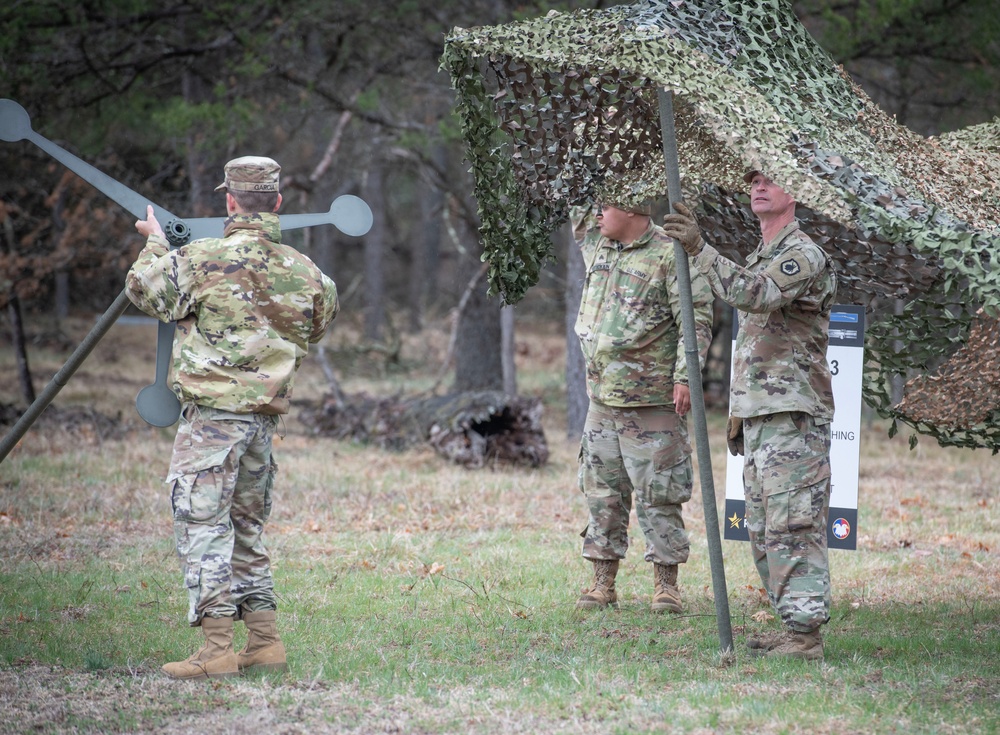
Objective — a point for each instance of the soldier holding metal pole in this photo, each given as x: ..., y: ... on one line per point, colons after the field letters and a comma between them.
x: 781, y: 406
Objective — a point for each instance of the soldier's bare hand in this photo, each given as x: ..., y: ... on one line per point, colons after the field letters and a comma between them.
x: 682, y: 399
x: 683, y: 227
x: 150, y: 225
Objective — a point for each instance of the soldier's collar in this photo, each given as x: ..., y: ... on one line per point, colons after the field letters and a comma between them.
x: 780, y: 238
x: 638, y: 242
x: 264, y: 222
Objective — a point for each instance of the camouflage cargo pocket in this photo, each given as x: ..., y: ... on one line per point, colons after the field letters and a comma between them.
x: 197, y: 497
x: 201, y: 445
x: 672, y: 486
x: 809, y: 586
x: 788, y: 493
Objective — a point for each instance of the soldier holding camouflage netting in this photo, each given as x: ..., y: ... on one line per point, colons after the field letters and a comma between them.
x: 247, y: 308
x: 635, y: 434
x: 780, y: 406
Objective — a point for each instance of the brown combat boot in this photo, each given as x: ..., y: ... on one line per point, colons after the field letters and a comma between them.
x: 760, y: 643
x: 264, y: 650
x: 666, y: 596
x: 806, y: 646
x: 603, y: 592
x: 215, y: 659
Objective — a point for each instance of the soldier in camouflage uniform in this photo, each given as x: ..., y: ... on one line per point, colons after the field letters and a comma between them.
x: 635, y: 436
x: 247, y: 308
x: 781, y: 407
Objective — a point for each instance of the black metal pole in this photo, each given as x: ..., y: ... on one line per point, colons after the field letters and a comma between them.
x: 60, y: 379
x: 721, y: 594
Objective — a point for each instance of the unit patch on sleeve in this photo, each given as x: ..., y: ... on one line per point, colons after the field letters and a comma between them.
x: 790, y: 267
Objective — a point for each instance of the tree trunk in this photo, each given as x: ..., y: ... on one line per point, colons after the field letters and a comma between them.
x: 204, y: 200
x: 478, y: 354
x: 426, y: 246
x: 508, y: 366
x: 62, y: 295
x: 374, y: 288
x: 17, y: 326
x: 61, y: 272
x: 577, y: 401
x: 17, y: 338
x: 321, y: 242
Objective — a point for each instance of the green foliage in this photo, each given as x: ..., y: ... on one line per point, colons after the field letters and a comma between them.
x: 515, y: 234
x: 939, y: 53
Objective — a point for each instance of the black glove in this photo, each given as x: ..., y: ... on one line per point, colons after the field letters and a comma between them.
x: 734, y: 435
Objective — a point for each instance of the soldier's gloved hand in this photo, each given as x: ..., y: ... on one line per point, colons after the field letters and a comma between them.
x: 683, y: 227
x: 734, y: 435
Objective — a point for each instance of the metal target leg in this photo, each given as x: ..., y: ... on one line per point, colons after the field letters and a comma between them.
x: 60, y: 379
x: 156, y: 403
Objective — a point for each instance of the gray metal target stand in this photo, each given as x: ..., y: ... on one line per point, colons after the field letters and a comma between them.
x: 156, y: 403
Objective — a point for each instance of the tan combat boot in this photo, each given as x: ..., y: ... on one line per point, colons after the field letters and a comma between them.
x: 806, y: 646
x: 666, y: 596
x: 603, y: 592
x: 215, y: 659
x: 264, y: 650
x: 760, y: 643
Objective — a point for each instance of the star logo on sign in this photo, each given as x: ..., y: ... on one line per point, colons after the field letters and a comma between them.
x: 790, y: 267
x: 734, y: 521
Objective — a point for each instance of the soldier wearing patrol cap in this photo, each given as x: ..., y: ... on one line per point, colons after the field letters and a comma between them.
x: 780, y: 405
x: 635, y: 440
x: 251, y: 173
x: 247, y: 308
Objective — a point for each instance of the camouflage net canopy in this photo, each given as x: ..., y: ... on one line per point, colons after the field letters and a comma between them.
x: 561, y: 110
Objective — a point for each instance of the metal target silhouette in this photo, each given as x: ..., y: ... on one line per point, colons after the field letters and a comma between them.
x: 156, y: 403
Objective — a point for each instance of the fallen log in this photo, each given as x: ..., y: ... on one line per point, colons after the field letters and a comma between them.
x: 472, y: 429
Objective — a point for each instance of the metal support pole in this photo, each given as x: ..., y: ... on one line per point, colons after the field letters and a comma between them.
x: 721, y: 594
x: 60, y: 379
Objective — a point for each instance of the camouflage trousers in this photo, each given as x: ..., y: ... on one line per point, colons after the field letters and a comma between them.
x: 786, y: 479
x: 221, y: 475
x: 643, y: 450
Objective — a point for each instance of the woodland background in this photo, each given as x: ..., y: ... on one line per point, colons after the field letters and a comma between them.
x: 349, y: 98
x: 417, y: 596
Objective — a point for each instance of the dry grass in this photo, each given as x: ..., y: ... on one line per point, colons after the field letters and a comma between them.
x: 421, y: 597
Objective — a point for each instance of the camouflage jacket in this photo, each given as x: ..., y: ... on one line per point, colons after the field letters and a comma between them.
x: 246, y: 308
x: 783, y: 296
x: 629, y: 322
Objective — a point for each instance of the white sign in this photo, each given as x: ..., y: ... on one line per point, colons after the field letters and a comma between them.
x: 846, y: 356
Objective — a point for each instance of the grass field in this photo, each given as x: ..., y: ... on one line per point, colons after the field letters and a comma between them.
x: 419, y: 597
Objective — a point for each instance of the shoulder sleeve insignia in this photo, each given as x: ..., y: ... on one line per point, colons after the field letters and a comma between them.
x: 790, y: 267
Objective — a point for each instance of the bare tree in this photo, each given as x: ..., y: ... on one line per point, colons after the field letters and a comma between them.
x: 14, y: 317
x: 479, y: 337
x: 374, y: 280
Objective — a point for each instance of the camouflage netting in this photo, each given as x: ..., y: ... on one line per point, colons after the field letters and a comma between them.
x: 560, y: 110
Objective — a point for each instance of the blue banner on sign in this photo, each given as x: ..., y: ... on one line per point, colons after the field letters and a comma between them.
x: 847, y: 326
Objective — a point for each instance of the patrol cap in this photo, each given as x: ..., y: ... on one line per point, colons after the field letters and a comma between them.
x: 644, y: 207
x: 251, y: 173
